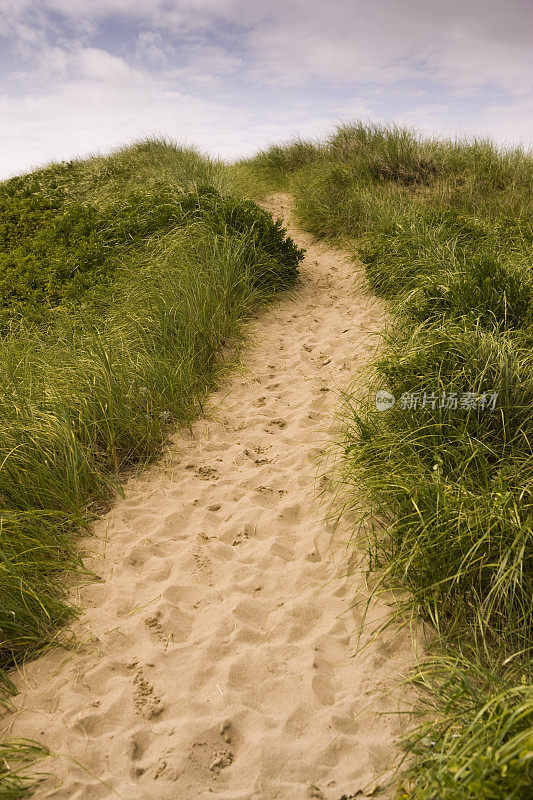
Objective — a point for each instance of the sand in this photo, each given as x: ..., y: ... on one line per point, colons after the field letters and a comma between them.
x: 215, y: 656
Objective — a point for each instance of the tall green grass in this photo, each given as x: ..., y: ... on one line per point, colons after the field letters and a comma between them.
x: 444, y: 229
x: 269, y: 169
x: 124, y: 280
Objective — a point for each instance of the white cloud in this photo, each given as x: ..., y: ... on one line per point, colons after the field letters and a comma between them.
x: 79, y: 117
x: 153, y: 47
x: 77, y: 63
x: 464, y: 43
x: 234, y: 74
x: 99, y: 65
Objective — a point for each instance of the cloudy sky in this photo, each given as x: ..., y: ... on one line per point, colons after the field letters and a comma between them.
x: 81, y: 76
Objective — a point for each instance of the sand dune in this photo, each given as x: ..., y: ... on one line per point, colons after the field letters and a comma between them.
x: 214, y: 658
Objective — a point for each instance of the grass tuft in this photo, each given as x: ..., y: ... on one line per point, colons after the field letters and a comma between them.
x: 123, y: 281
x: 444, y: 231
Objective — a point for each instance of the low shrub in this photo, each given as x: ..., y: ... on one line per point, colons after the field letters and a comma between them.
x: 116, y: 311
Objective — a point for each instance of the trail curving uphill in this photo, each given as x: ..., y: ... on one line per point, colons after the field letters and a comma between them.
x: 214, y: 659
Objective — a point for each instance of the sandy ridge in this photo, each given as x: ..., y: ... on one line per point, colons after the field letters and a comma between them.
x: 215, y: 654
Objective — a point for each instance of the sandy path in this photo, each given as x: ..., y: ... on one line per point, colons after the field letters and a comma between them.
x: 214, y: 661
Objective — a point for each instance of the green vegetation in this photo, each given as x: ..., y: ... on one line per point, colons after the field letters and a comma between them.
x: 121, y: 281
x: 65, y: 230
x: 445, y: 234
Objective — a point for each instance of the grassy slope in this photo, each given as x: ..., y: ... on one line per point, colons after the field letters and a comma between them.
x: 444, y: 230
x: 121, y: 280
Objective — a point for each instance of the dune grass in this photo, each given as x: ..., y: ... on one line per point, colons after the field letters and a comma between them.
x: 444, y: 231
x: 124, y: 281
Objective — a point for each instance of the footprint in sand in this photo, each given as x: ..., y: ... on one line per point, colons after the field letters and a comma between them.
x: 168, y: 626
x: 276, y: 425
x: 322, y: 682
x: 207, y: 473
x: 255, y: 455
x: 146, y: 701
x: 206, y: 757
x: 201, y: 562
x: 214, y: 688
x: 280, y: 550
x: 138, y: 743
x: 266, y: 496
